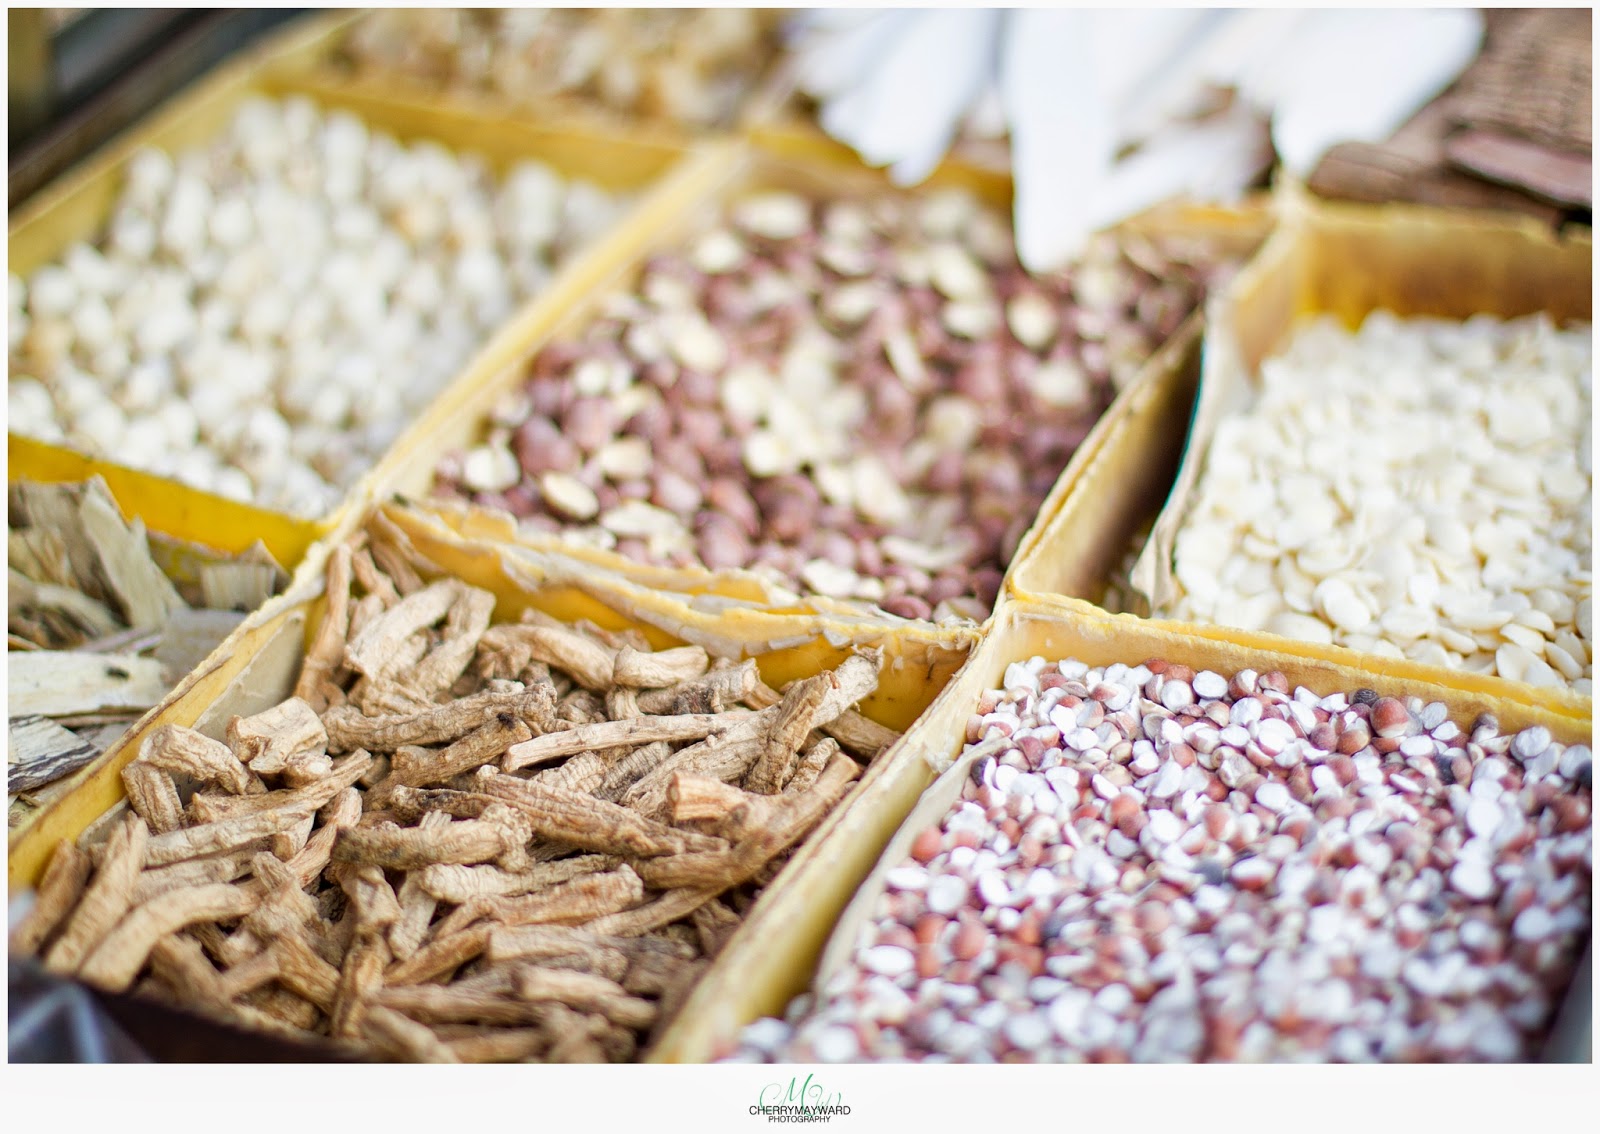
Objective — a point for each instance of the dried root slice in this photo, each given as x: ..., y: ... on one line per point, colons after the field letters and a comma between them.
x: 215, y: 838
x: 812, y: 761
x: 153, y: 796
x: 373, y: 579
x: 586, y: 992
x: 793, y: 818
x: 410, y: 848
x: 618, y: 734
x: 471, y: 1044
x: 327, y: 648
x: 717, y: 691
x: 454, y: 1004
x: 374, y: 651
x: 734, y: 814
x: 117, y: 959
x: 662, y: 912
x: 108, y: 897
x: 643, y: 669
x: 289, y: 735
x: 487, y: 742
x: 464, y: 628
x: 58, y: 893
x: 458, y: 884
x: 440, y: 957
x: 306, y: 799
x: 861, y: 735
x: 195, y: 872
x: 185, y: 752
x: 570, y: 903
x: 582, y: 821
x: 349, y: 729
x: 715, y: 923
x: 796, y: 715
x: 399, y: 1037
x: 359, y: 978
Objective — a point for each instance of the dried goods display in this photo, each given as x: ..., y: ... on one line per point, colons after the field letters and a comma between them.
x: 263, y: 315
x: 459, y: 840
x: 1152, y: 863
x: 1461, y: 537
x: 97, y: 630
x: 859, y: 398
x: 695, y: 67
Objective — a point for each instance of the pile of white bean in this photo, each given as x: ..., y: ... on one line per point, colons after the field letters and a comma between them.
x: 268, y: 311
x: 1418, y: 489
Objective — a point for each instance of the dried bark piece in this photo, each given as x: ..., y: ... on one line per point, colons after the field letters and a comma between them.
x: 286, y: 844
x: 584, y: 991
x: 238, y: 586
x: 582, y: 821
x: 659, y: 669
x: 41, y: 752
x: 617, y: 734
x: 410, y: 848
x: 61, y: 683
x: 283, y: 736
x: 122, y: 559
x: 716, y: 691
x: 796, y: 715
x: 490, y: 741
x: 349, y: 729
x: 622, y: 703
x: 327, y: 647
x: 54, y: 616
x: 372, y: 652
x: 458, y: 884
x: 464, y: 627
x: 152, y: 794
x: 58, y: 892
x: 119, y: 957
x: 399, y: 1037
x: 185, y: 752
x: 107, y: 898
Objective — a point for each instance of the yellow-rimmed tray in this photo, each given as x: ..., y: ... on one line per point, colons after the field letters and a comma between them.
x: 808, y: 926
x: 257, y: 666
x: 321, y: 59
x: 76, y: 205
x: 769, y: 159
x: 1334, y: 258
